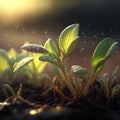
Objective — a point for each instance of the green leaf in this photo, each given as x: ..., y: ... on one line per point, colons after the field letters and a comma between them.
x: 115, y: 90
x: 3, y: 64
x: 103, y: 51
x: 67, y: 37
x: 47, y: 58
x: 22, y: 63
x: 4, y: 55
x: 78, y: 70
x: 34, y: 48
x: 51, y: 46
x: 6, y: 86
x: 12, y: 53
x: 36, y: 65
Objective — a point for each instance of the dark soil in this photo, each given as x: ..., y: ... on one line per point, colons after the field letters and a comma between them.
x: 39, y: 104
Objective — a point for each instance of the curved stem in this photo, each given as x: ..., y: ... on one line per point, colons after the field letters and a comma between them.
x: 67, y: 80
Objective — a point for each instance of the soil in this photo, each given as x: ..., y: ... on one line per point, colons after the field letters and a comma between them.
x: 39, y: 104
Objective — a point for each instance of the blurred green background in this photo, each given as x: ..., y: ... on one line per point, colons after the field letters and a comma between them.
x: 35, y: 21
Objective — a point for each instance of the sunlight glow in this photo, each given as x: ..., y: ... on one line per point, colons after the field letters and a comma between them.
x: 12, y: 10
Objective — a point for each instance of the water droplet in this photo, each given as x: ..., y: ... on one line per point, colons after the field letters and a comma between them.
x: 17, y: 26
x: 85, y: 36
x: 6, y: 35
x: 23, y: 29
x: 9, y: 45
x: 85, y: 42
x: 45, y: 32
x: 33, y: 32
x: 102, y: 33
x: 111, y: 30
x: 82, y: 49
x: 117, y: 51
x: 85, y: 58
x: 88, y: 26
x: 83, y: 33
x: 94, y: 36
x: 93, y: 43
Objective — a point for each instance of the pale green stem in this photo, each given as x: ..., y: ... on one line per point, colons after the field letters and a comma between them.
x: 67, y: 80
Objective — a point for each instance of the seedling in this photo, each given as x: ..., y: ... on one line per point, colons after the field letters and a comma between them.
x: 58, y: 56
x: 11, y: 64
x: 109, y: 85
x: 14, y: 94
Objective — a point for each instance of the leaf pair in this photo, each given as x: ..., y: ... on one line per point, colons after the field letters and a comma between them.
x: 103, y: 51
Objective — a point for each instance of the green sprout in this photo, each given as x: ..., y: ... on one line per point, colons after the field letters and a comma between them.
x: 11, y: 64
x: 103, y: 51
x: 14, y: 94
x: 80, y: 82
x: 58, y: 55
x: 109, y: 85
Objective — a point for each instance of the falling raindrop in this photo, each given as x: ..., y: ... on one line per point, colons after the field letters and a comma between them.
x: 23, y: 29
x: 85, y: 36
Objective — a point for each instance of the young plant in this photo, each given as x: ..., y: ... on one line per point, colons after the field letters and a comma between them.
x: 11, y: 64
x: 35, y: 68
x: 103, y: 51
x: 109, y: 85
x: 14, y: 94
x: 58, y: 55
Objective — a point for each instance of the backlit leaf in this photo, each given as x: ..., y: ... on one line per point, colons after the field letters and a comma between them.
x: 22, y: 63
x: 34, y: 48
x: 67, y: 37
x: 103, y: 51
x: 78, y: 70
x: 47, y: 58
x: 50, y: 45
